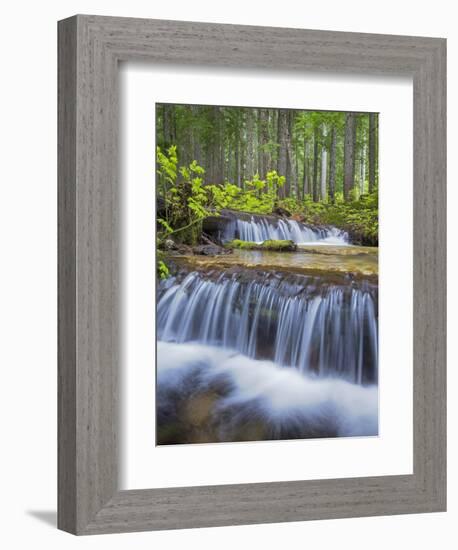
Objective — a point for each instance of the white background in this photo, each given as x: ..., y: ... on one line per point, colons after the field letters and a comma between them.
x: 28, y: 273
x: 391, y: 451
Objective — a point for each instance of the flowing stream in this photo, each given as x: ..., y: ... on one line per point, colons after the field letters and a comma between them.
x: 265, y: 352
x: 289, y: 320
x: 258, y: 229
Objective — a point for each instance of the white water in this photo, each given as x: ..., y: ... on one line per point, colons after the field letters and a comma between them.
x: 332, y: 332
x: 289, y: 403
x: 265, y: 356
x: 260, y: 229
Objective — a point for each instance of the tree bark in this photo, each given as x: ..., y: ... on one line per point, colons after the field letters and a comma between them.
x: 306, y: 178
x: 362, y: 171
x: 259, y: 124
x: 213, y: 159
x: 237, y: 162
x: 264, y: 143
x: 250, y: 165
x: 332, y: 166
x: 222, y: 151
x: 242, y: 153
x: 282, y: 153
x: 195, y: 138
x: 168, y: 125
x: 315, y: 165
x: 324, y: 165
x: 165, y: 125
x: 298, y: 173
x: 291, y: 172
x: 349, y: 155
x: 372, y: 150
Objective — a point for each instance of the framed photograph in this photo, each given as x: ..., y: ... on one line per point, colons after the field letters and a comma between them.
x: 251, y: 275
x: 267, y: 313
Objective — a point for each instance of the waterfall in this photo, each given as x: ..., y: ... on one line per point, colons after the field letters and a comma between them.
x: 257, y: 399
x: 259, y: 229
x: 292, y: 320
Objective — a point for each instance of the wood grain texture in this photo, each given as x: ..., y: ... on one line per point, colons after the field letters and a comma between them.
x: 90, y: 48
x: 67, y: 133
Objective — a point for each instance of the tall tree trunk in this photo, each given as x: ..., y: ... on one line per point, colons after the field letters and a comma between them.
x: 264, y: 157
x: 372, y: 150
x: 222, y: 151
x: 238, y: 181
x: 282, y: 153
x: 243, y: 147
x: 291, y: 172
x: 315, y: 165
x: 250, y: 165
x: 259, y: 122
x: 185, y: 145
x: 298, y: 176
x: 362, y: 169
x: 239, y: 128
x: 306, y: 180
x: 213, y: 151
x: 349, y: 155
x: 195, y: 137
x: 166, y: 125
x: 273, y: 133
x: 332, y: 166
x: 324, y: 165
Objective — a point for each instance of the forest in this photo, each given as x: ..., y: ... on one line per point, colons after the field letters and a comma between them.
x: 267, y: 274
x: 320, y: 167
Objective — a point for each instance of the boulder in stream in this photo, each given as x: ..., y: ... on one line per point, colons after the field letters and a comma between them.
x: 210, y: 250
x: 272, y: 245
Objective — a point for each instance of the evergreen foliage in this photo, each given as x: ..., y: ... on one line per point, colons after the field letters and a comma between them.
x: 319, y: 167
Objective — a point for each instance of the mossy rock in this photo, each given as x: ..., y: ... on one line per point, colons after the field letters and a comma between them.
x: 277, y: 246
x: 280, y: 246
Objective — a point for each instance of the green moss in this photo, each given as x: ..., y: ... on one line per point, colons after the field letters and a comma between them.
x: 277, y: 246
x: 243, y: 245
x: 236, y: 243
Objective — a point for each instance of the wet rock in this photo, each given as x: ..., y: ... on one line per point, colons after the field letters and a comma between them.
x: 275, y: 245
x: 339, y: 251
x: 282, y: 212
x: 215, y: 226
x: 210, y: 250
x: 249, y: 264
x: 362, y: 239
x: 280, y: 246
x: 169, y: 244
x: 199, y: 408
x: 173, y: 248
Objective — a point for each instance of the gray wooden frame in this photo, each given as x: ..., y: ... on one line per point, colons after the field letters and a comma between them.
x: 90, y: 48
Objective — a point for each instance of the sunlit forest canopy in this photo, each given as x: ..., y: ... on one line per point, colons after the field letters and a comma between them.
x: 319, y: 167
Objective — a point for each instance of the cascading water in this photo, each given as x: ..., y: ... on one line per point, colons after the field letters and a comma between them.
x: 256, y: 399
x: 251, y: 356
x: 259, y: 229
x: 320, y: 330
x: 267, y: 353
